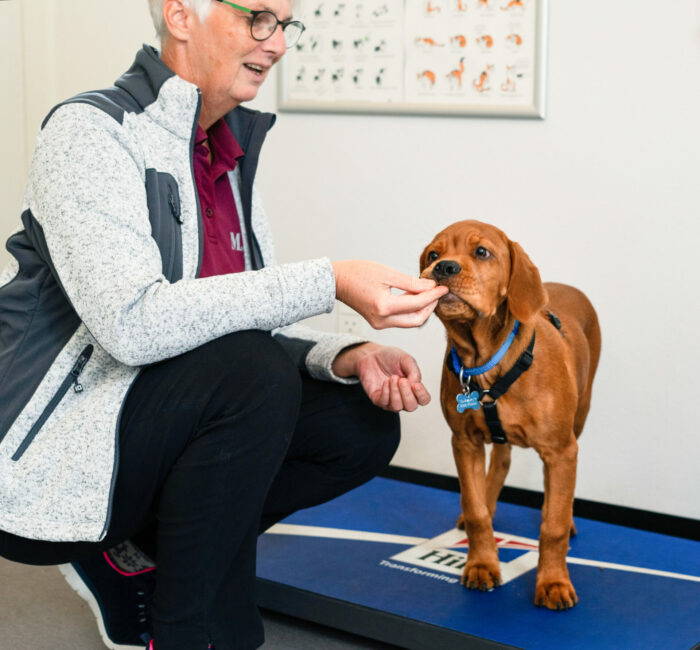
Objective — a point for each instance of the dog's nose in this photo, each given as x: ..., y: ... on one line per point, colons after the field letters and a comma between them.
x: 445, y: 269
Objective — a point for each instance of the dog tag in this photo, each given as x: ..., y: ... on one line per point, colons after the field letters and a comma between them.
x: 468, y: 401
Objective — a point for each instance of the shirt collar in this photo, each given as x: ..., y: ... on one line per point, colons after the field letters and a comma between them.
x: 201, y: 136
x: 224, y: 148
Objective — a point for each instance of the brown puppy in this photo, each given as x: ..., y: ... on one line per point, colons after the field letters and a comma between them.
x: 492, y: 284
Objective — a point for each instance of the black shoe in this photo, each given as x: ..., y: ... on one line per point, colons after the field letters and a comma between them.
x: 150, y: 646
x: 118, y: 585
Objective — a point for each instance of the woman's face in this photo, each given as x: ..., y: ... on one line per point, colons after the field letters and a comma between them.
x: 228, y: 64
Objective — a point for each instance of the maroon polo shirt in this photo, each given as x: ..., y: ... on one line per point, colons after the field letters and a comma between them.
x: 223, y: 240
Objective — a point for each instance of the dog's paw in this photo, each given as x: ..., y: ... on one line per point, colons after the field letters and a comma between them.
x: 460, y: 522
x: 556, y: 595
x: 481, y: 575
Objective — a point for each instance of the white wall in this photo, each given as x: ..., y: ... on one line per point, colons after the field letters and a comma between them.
x: 602, y: 194
x: 13, y: 159
x: 51, y: 50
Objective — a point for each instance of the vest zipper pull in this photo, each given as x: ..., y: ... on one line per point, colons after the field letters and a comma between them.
x: 174, y: 207
x: 78, y: 368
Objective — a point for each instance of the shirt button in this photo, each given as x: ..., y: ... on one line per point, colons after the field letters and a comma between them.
x: 209, y: 212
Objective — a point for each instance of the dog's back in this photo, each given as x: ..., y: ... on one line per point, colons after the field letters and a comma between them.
x: 582, y: 333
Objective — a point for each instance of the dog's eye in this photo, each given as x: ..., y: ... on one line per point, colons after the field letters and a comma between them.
x: 432, y: 256
x: 483, y: 253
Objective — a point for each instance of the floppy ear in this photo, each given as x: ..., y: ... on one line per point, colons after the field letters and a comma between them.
x: 526, y: 295
x: 424, y: 257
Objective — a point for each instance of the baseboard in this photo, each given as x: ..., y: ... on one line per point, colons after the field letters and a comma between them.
x: 631, y: 517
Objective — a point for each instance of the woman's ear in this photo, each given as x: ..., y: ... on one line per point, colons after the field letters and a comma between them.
x: 526, y: 294
x: 177, y: 17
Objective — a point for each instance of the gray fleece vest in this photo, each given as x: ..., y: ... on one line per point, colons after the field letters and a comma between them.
x: 105, y: 280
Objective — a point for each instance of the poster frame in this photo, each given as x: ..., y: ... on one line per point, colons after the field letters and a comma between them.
x: 534, y: 107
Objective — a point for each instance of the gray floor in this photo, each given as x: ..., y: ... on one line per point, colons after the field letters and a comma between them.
x: 39, y: 611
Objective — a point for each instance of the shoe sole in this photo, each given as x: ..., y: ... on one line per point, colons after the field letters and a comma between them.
x: 76, y: 583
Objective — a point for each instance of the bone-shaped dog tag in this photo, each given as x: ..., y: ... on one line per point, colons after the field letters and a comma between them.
x: 468, y: 401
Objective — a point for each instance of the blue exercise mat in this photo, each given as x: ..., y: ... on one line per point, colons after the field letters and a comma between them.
x: 384, y: 561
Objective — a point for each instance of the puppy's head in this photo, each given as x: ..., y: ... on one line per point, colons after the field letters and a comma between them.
x: 483, y: 269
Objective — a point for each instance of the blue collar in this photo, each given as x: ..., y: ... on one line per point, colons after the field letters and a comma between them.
x: 461, y: 371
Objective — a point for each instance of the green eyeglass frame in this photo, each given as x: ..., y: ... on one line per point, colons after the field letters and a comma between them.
x: 263, y: 24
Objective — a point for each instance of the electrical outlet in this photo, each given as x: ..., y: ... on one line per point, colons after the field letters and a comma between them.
x: 350, y: 322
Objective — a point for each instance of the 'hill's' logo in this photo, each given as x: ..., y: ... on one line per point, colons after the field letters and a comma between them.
x: 445, y: 555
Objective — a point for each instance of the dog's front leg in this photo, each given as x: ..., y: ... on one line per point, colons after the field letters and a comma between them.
x: 498, y: 470
x: 482, y: 570
x: 554, y: 589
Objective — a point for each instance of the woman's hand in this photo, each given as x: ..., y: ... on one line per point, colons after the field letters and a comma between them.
x: 390, y: 377
x: 366, y: 287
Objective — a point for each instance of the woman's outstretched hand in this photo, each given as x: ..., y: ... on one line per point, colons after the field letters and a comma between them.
x: 366, y: 287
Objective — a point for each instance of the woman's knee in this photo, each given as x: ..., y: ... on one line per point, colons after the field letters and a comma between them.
x: 371, y: 440
x: 269, y: 369
x: 248, y: 354
x: 243, y: 384
x: 247, y: 367
x: 386, y: 441
x: 390, y: 438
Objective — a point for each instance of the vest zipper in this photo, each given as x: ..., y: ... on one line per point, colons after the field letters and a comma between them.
x: 177, y: 238
x: 72, y: 378
x: 200, y: 221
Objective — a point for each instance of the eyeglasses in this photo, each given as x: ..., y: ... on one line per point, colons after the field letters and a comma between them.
x: 264, y: 23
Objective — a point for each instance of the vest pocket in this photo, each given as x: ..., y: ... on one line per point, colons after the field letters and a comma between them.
x: 165, y: 214
x: 72, y: 378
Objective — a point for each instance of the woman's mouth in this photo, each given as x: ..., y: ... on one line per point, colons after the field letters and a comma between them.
x: 257, y: 70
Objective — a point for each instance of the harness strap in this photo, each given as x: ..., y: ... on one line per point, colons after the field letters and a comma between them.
x: 498, y: 435
x: 554, y: 319
x: 521, y: 365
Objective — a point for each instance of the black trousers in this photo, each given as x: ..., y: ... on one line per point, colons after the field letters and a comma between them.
x: 216, y: 445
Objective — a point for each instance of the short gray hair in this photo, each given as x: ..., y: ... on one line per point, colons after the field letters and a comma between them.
x: 202, y: 7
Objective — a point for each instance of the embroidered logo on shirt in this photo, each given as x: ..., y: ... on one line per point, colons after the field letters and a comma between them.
x: 236, y: 243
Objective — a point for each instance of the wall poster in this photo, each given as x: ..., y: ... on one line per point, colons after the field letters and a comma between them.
x: 460, y: 57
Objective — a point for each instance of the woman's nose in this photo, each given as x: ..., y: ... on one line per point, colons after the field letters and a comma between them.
x: 276, y: 42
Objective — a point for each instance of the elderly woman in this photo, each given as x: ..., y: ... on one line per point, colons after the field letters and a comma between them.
x: 158, y: 400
